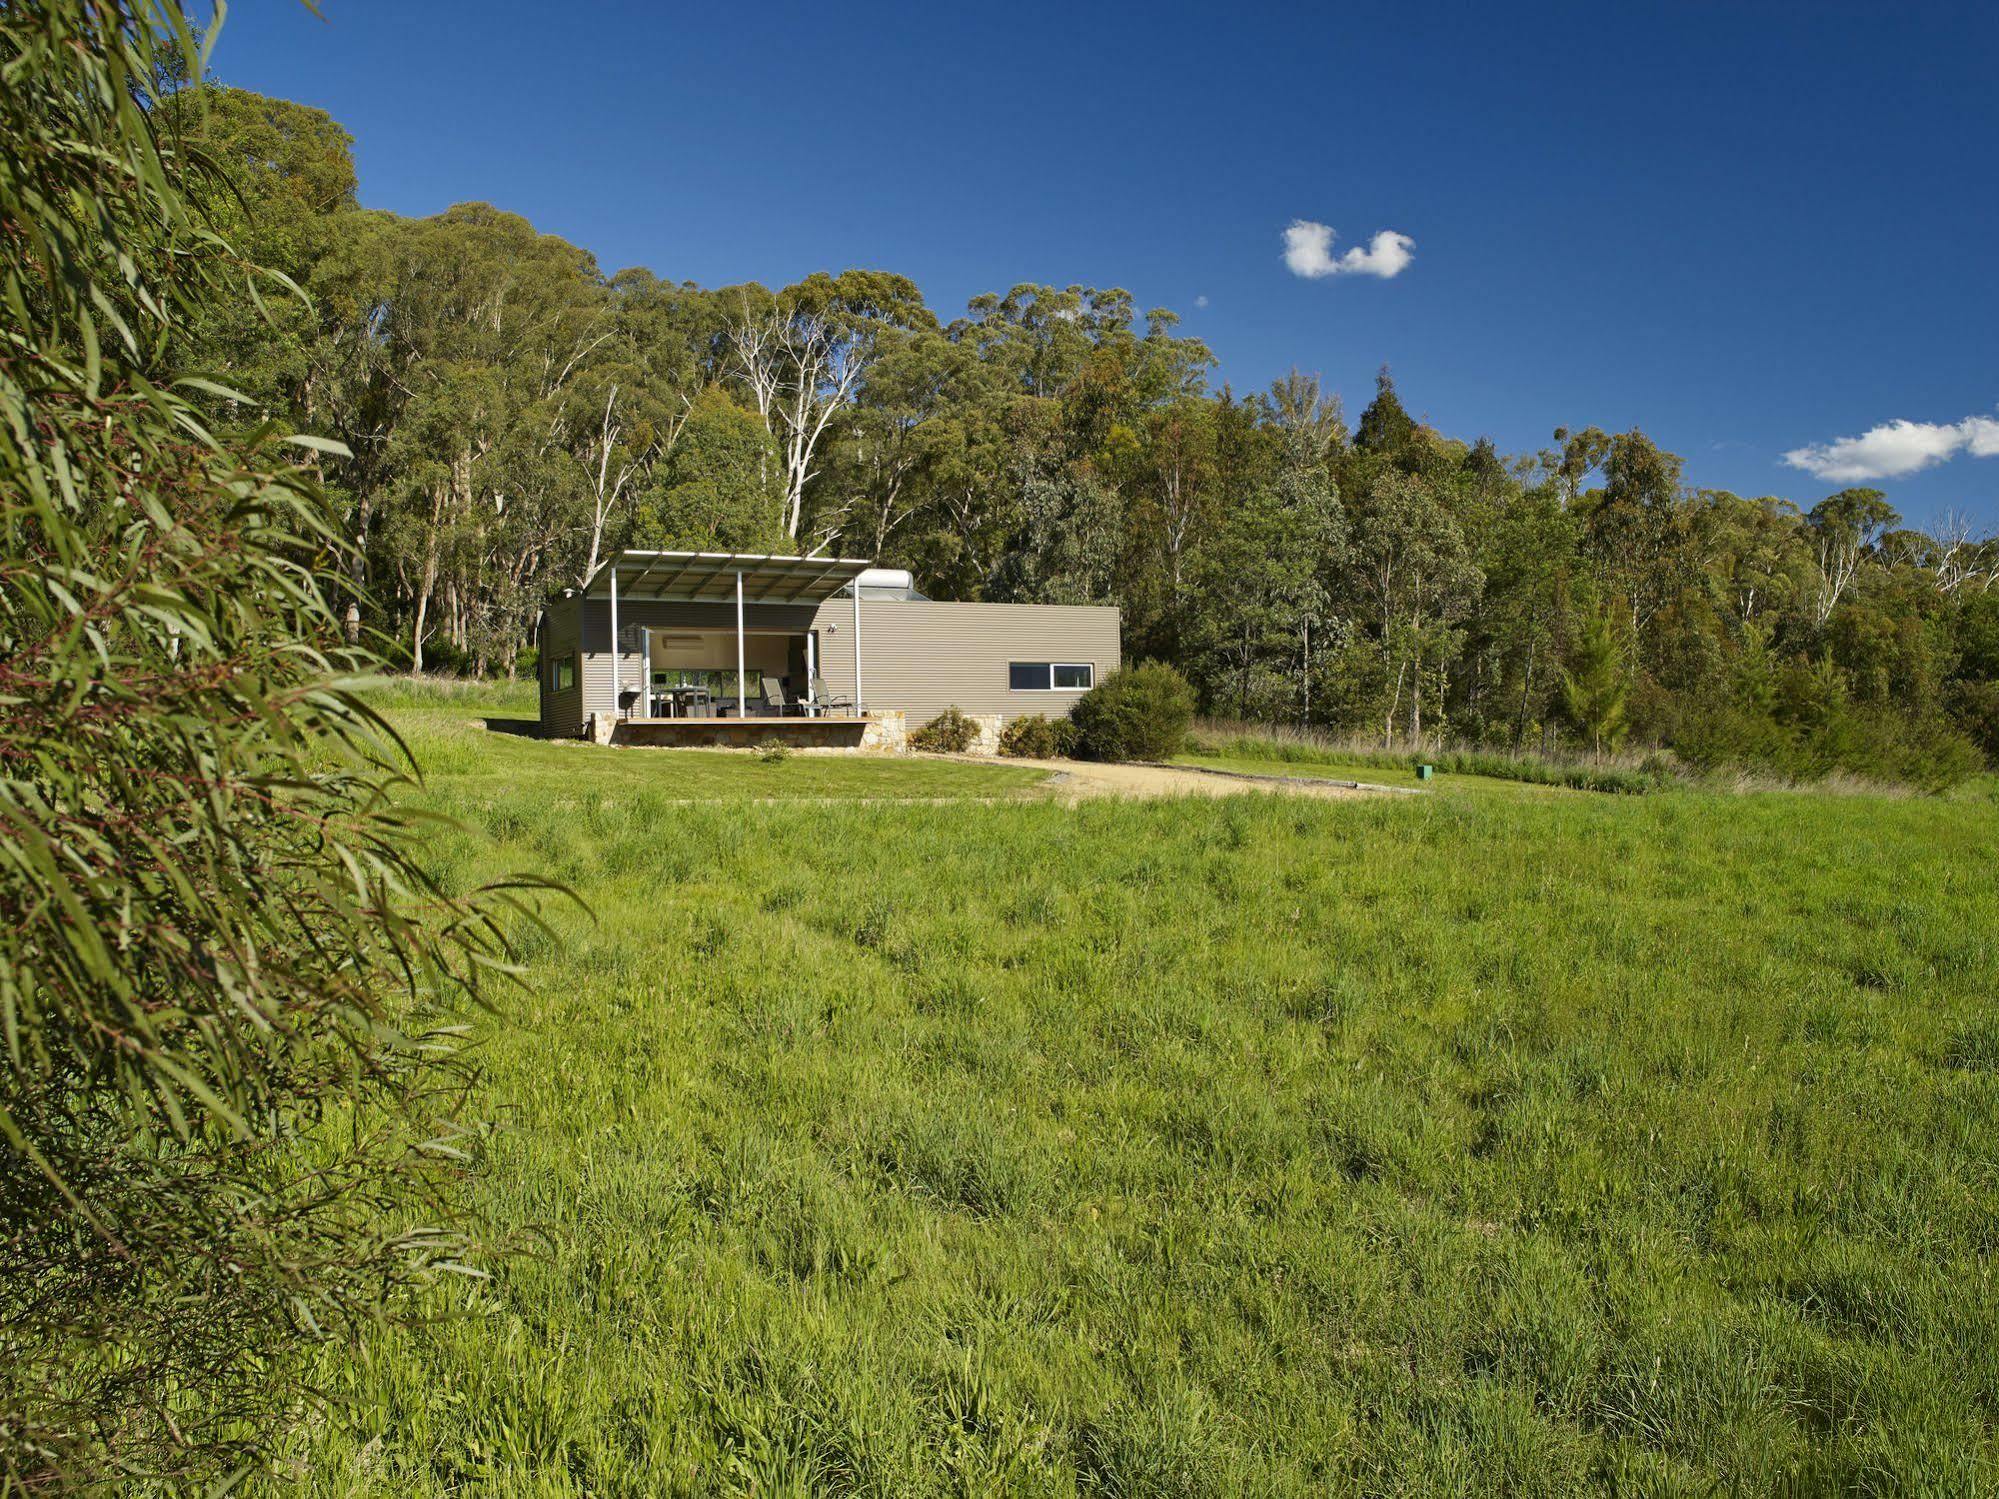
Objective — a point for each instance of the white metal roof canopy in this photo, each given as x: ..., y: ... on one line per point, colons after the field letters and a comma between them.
x: 711, y: 576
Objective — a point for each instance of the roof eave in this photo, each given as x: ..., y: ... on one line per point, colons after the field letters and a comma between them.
x: 819, y: 578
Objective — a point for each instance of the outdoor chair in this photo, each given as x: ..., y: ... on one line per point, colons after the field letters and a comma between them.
x: 824, y: 702
x: 777, y: 701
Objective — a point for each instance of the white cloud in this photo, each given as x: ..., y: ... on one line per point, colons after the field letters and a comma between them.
x: 1308, y: 251
x: 1896, y: 448
x: 1201, y: 301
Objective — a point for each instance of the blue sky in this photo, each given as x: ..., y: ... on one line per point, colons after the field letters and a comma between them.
x: 1750, y: 229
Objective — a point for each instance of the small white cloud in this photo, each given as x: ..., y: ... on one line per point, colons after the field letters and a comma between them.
x: 1896, y: 448
x: 1201, y: 301
x: 1308, y: 252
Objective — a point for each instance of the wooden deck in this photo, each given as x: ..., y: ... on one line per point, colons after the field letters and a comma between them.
x: 742, y: 733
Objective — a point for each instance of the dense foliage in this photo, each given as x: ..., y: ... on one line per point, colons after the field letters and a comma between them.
x: 227, y: 1093
x: 513, y: 412
x: 1140, y: 713
x: 1036, y: 736
x: 949, y: 733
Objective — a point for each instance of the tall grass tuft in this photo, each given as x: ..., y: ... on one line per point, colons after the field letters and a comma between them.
x: 513, y: 695
x: 1628, y: 774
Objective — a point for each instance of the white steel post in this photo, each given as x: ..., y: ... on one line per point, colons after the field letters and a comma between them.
x: 812, y: 673
x: 860, y: 702
x: 616, y: 689
x: 742, y: 695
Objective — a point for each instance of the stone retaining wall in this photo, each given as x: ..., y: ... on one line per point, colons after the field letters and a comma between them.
x: 887, y: 732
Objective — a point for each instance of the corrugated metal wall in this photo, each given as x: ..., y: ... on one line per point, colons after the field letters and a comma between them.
x: 561, y: 712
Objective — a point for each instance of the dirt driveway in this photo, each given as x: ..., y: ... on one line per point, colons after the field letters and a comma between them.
x: 1073, y: 780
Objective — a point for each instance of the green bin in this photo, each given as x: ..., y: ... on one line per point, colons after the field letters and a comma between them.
x: 1424, y: 772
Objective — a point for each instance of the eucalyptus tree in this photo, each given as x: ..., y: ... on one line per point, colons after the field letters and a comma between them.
x: 1528, y: 551
x: 1631, y: 526
x: 897, y: 441
x: 625, y: 415
x: 1164, y: 466
x: 1758, y: 564
x: 719, y: 488
x: 803, y: 354
x: 980, y: 459
x: 230, y: 1110
x: 1957, y: 558
x: 282, y: 191
x: 1845, y: 527
x: 1255, y: 590
x: 485, y: 327
x: 1038, y: 338
x: 1414, y: 578
x: 1580, y: 455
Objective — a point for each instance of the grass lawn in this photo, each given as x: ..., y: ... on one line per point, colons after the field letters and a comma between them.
x: 1523, y: 1143
x: 476, y: 776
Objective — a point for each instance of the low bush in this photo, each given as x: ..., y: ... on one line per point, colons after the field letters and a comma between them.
x: 1140, y: 713
x: 1035, y: 736
x: 773, y: 752
x: 1846, y: 741
x: 1975, y: 706
x: 949, y: 733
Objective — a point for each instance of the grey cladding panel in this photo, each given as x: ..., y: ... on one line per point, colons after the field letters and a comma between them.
x: 923, y: 656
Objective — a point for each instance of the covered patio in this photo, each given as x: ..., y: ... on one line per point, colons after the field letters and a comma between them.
x: 738, y: 676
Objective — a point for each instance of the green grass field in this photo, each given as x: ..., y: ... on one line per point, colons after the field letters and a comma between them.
x: 1524, y: 1142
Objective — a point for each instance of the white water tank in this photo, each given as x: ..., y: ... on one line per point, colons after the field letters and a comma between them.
x: 886, y: 577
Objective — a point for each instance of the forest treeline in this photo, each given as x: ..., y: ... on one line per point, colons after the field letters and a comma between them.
x: 511, y: 414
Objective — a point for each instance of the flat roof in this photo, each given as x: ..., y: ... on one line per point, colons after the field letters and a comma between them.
x: 711, y: 576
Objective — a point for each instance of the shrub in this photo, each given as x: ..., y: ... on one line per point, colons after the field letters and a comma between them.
x: 949, y: 733
x: 773, y: 752
x: 1141, y: 713
x: 1035, y: 736
x: 1975, y: 705
x: 1839, y: 738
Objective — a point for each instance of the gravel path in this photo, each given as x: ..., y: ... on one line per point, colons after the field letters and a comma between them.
x: 1072, y: 780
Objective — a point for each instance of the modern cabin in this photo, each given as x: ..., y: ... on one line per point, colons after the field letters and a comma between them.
x: 735, y: 648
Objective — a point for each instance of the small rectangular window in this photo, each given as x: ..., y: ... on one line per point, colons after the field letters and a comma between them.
x: 1050, y: 676
x: 565, y: 673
